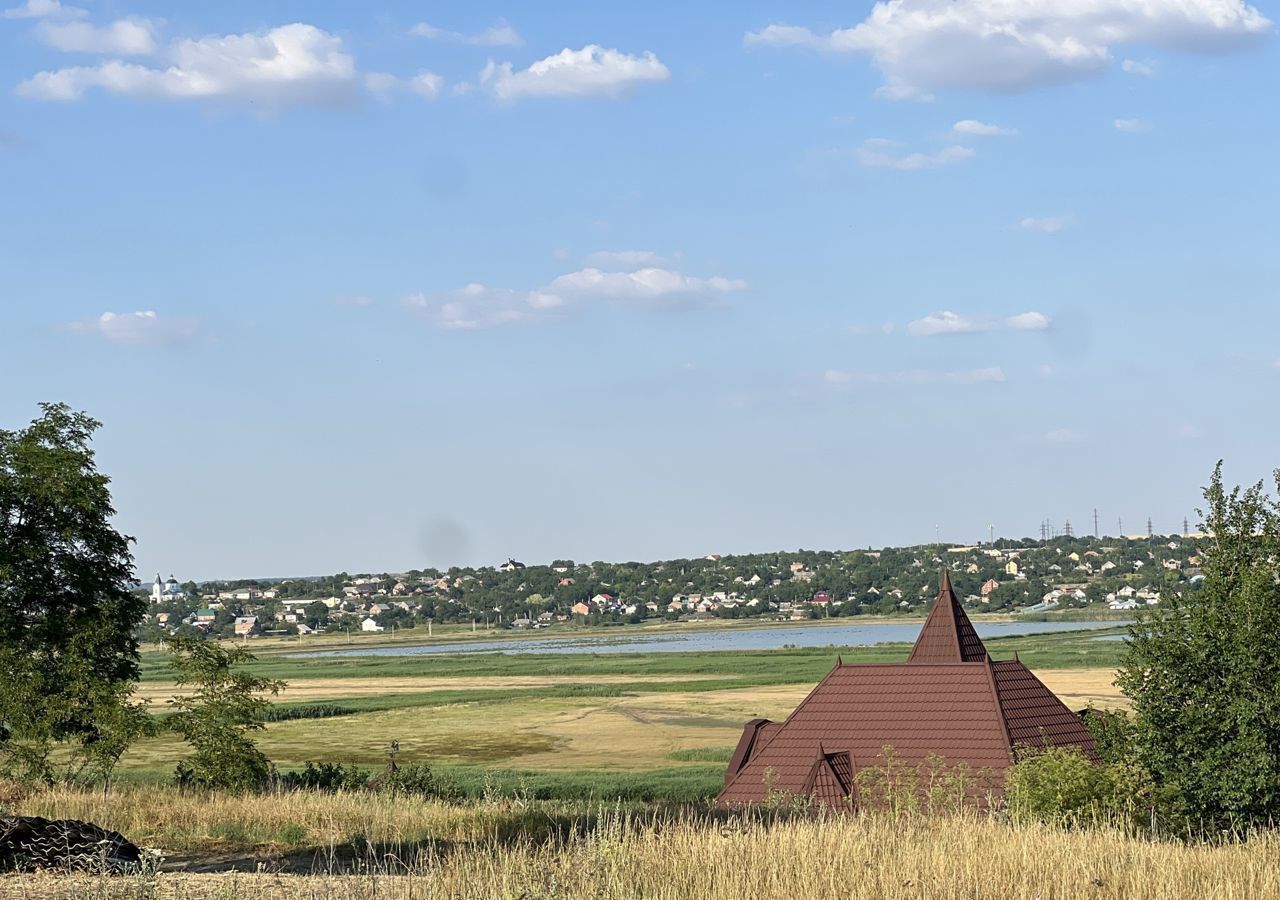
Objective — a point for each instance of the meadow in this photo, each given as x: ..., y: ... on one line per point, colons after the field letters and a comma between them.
x: 583, y: 775
x: 569, y: 724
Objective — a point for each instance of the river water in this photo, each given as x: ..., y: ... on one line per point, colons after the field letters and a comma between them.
x: 711, y: 638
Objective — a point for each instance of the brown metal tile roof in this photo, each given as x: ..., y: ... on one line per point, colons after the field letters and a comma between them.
x: 947, y: 635
x: 964, y: 708
x: 1034, y: 715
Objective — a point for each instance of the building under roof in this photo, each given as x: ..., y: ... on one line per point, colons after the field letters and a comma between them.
x: 950, y: 699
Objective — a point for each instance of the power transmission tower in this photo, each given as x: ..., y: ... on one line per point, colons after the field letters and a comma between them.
x: 1095, y: 521
x: 1044, y: 529
x: 1066, y: 529
x: 1150, y: 533
x: 1186, y: 529
x: 1120, y: 526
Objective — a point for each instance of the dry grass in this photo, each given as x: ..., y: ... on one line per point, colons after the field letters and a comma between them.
x: 635, y: 732
x: 312, y: 689
x: 863, y: 858
x: 194, y: 822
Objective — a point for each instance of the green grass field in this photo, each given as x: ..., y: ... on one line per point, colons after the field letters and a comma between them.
x: 576, y: 726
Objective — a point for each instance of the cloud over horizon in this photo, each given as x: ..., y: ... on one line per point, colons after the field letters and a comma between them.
x: 947, y: 322
x: 593, y: 71
x: 880, y: 153
x: 501, y: 34
x: 295, y: 64
x: 144, y: 328
x: 921, y: 46
x: 478, y: 306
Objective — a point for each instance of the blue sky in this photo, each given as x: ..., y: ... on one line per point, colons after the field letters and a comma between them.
x: 413, y: 284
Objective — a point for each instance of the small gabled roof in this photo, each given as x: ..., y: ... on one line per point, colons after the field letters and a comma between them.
x: 947, y: 636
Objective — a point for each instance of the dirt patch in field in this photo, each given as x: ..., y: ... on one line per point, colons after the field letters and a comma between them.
x: 1079, y: 687
x: 342, y: 688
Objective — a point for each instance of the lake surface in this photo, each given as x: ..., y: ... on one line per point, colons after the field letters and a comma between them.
x: 772, y: 638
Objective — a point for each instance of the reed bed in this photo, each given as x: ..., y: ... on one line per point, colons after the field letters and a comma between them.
x: 634, y: 855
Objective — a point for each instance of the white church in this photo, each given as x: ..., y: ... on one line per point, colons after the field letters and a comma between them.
x: 162, y: 591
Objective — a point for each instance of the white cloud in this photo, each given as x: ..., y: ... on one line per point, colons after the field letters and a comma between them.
x: 914, y: 377
x: 124, y: 37
x: 998, y: 45
x: 626, y: 259
x: 1044, y: 225
x: 426, y: 84
x: 1134, y: 67
x: 478, y: 306
x: 143, y: 328
x: 948, y: 322
x: 1027, y: 321
x: 44, y: 9
x: 591, y: 71
x: 974, y: 128
x: 881, y: 153
x: 384, y: 85
x: 500, y: 34
x: 1062, y: 436
x: 1132, y: 126
x: 643, y: 285
x: 285, y: 66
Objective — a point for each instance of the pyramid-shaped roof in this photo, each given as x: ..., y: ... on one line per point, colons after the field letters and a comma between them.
x: 947, y: 636
x: 949, y: 699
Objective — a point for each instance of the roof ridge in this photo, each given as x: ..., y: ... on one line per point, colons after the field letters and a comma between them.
x: 756, y: 751
x: 995, y: 694
x: 947, y: 634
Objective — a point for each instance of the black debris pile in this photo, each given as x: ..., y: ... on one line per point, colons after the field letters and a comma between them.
x: 28, y: 843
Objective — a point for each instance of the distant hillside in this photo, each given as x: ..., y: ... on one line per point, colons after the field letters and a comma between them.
x: 1008, y: 575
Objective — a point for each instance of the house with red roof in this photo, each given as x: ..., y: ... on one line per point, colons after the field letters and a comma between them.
x: 949, y: 700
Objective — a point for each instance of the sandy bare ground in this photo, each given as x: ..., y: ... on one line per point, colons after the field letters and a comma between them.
x: 339, y: 688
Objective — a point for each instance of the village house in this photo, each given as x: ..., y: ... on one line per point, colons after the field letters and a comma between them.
x: 370, y: 625
x: 244, y: 625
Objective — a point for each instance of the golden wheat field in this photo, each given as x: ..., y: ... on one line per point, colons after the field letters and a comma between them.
x: 871, y: 857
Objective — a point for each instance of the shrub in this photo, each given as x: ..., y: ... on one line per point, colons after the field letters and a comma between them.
x: 1058, y: 784
x: 416, y: 779
x: 931, y: 786
x: 311, y: 711
x: 328, y: 777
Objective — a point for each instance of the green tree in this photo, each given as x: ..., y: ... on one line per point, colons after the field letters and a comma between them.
x: 216, y: 719
x: 316, y: 614
x: 1203, y: 672
x: 67, y: 614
